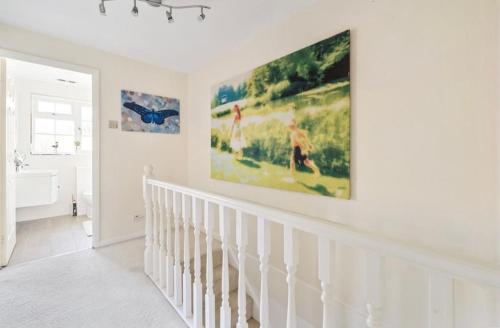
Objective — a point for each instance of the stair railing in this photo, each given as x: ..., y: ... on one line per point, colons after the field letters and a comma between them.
x: 166, y: 203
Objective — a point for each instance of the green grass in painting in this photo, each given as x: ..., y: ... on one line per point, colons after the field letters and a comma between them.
x: 226, y: 167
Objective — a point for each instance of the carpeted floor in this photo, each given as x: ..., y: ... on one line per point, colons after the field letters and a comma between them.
x: 103, y: 288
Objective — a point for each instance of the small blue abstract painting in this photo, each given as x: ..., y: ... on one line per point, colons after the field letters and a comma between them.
x: 142, y: 112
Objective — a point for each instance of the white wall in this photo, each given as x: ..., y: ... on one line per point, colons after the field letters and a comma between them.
x: 424, y: 167
x: 122, y: 154
x: 65, y: 164
x: 423, y: 139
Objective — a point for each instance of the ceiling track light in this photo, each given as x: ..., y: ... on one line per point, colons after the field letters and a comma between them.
x: 169, y: 16
x: 135, y: 10
x: 102, y: 8
x: 158, y: 4
x: 202, y: 16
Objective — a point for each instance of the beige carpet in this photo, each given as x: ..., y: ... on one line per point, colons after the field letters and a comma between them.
x: 103, y: 288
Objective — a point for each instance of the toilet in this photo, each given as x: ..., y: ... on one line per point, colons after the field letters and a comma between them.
x: 84, y: 190
x: 87, y: 199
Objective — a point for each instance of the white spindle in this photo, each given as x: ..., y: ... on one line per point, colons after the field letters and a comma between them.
x: 169, y: 199
x: 374, y: 289
x: 209, y: 297
x: 291, y: 256
x: 163, y: 260
x: 197, y: 286
x: 162, y: 255
x: 187, y: 259
x: 177, y: 252
x: 264, y: 250
x: 325, y: 278
x: 148, y: 251
x: 225, y: 310
x: 241, y: 241
x: 441, y: 300
x: 156, y: 242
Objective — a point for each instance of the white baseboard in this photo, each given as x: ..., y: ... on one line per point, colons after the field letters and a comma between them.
x: 120, y: 239
x: 41, y: 218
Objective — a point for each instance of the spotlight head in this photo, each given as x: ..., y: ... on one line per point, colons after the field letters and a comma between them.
x: 202, y: 16
x: 169, y: 16
x: 135, y: 11
x: 154, y: 3
x: 102, y: 8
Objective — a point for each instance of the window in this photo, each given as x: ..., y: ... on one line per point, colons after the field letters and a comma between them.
x: 55, y: 123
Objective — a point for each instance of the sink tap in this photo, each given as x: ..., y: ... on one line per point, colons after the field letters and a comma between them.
x: 19, y: 161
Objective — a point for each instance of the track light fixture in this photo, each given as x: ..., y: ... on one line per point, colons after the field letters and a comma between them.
x: 135, y: 10
x: 157, y: 4
x: 169, y: 16
x: 102, y: 8
x: 202, y: 16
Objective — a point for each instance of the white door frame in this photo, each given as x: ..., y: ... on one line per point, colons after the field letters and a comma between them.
x: 96, y: 119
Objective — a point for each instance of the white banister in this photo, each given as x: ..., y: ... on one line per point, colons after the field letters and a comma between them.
x: 209, y: 296
x: 241, y: 242
x: 225, y: 310
x: 165, y: 202
x: 264, y: 250
x: 197, y: 286
x: 374, y: 289
x: 342, y: 234
x: 163, y: 251
x: 186, y: 287
x: 148, y: 251
x: 177, y: 251
x: 441, y: 300
x: 156, y: 230
x: 169, y: 242
x: 291, y: 256
x: 324, y: 260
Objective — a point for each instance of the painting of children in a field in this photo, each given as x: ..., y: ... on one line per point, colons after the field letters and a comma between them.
x: 286, y: 124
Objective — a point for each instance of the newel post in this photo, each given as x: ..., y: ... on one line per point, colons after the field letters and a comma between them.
x: 146, y: 192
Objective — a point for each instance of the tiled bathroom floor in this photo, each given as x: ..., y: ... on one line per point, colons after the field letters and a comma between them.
x: 48, y: 237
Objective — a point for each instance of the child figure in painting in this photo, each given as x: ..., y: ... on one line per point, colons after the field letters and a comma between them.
x: 237, y: 137
x: 300, y: 148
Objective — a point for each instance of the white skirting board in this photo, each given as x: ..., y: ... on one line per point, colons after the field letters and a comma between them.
x: 120, y: 239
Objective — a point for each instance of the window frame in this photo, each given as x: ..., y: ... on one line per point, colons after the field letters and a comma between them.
x: 75, y: 117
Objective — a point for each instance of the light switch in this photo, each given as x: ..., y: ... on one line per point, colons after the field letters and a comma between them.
x: 113, y: 124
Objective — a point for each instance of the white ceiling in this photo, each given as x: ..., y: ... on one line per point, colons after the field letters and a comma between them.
x: 184, y: 45
x: 35, y: 72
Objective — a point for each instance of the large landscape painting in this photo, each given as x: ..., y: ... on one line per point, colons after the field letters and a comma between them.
x: 286, y: 124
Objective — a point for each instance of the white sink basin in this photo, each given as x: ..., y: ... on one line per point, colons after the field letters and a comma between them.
x: 37, y: 173
x: 36, y: 187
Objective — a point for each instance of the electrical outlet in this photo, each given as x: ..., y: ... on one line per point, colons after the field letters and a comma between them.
x: 113, y: 124
x: 138, y: 218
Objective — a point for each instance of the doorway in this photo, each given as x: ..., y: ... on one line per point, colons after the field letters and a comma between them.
x: 49, y: 165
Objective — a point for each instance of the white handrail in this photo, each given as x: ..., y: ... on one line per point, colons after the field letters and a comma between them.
x: 459, y: 268
x: 442, y: 270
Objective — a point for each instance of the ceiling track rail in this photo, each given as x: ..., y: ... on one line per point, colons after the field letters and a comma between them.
x: 160, y: 4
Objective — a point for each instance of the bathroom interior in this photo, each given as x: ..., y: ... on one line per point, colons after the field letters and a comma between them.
x: 49, y: 120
